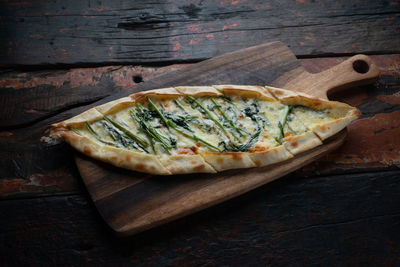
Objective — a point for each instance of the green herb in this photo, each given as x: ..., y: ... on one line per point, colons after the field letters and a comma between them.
x: 282, y: 123
x: 207, y: 113
x: 179, y: 105
x: 158, y: 111
x: 153, y: 145
x: 134, y: 137
x: 141, y: 118
x: 93, y: 132
x: 231, y: 147
x: 218, y: 107
x: 120, y: 137
x: 253, y: 112
x: 74, y: 130
x: 190, y: 134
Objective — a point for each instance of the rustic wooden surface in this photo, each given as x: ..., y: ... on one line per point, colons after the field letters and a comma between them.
x: 23, y: 171
x: 341, y: 210
x: 137, y: 202
x: 350, y: 219
x: 70, y: 32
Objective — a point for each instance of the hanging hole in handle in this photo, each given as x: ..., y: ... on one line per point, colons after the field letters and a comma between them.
x: 360, y: 66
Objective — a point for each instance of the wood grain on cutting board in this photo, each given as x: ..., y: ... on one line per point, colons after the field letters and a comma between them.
x: 131, y: 202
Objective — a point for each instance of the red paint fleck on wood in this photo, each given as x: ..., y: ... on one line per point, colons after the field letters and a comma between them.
x: 236, y: 2
x: 86, y: 15
x: 98, y: 9
x: 37, y: 182
x: 299, y: 15
x: 64, y: 51
x: 223, y: 2
x: 301, y: 43
x: 260, y: 6
x: 309, y: 38
x: 194, y: 28
x: 210, y: 36
x: 300, y: 1
x: 371, y: 141
x: 195, y: 42
x: 390, y: 18
x: 63, y: 30
x: 390, y: 99
x: 177, y: 46
x: 76, y: 77
x: 6, y: 134
x: 30, y: 111
x: 226, y: 27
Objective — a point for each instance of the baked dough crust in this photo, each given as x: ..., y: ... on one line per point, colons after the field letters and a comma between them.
x: 119, y: 157
x: 204, y: 161
x: 344, y: 112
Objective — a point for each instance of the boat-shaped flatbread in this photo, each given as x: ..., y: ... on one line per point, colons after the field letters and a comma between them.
x: 207, y: 129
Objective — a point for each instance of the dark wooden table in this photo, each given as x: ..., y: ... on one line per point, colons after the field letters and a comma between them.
x: 59, y: 56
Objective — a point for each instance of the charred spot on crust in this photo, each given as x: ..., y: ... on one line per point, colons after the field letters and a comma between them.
x: 288, y: 138
x: 199, y: 167
x: 288, y: 134
x: 87, y: 150
x: 258, y: 148
x: 279, y: 92
x: 126, y: 104
x: 140, y: 166
x: 294, y: 144
x: 317, y: 104
x: 237, y: 156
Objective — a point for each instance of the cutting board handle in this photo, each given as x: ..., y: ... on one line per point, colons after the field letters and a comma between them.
x: 355, y: 71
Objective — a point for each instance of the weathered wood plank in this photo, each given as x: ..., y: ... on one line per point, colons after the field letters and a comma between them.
x: 26, y: 97
x: 335, y: 220
x: 30, y: 165
x: 70, y: 32
x: 149, y: 203
x: 373, y: 139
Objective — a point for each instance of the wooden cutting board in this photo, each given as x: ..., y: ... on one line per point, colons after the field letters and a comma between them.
x: 131, y: 202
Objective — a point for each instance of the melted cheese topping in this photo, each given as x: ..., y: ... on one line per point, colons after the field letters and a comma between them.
x: 214, y: 124
x: 311, y: 117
